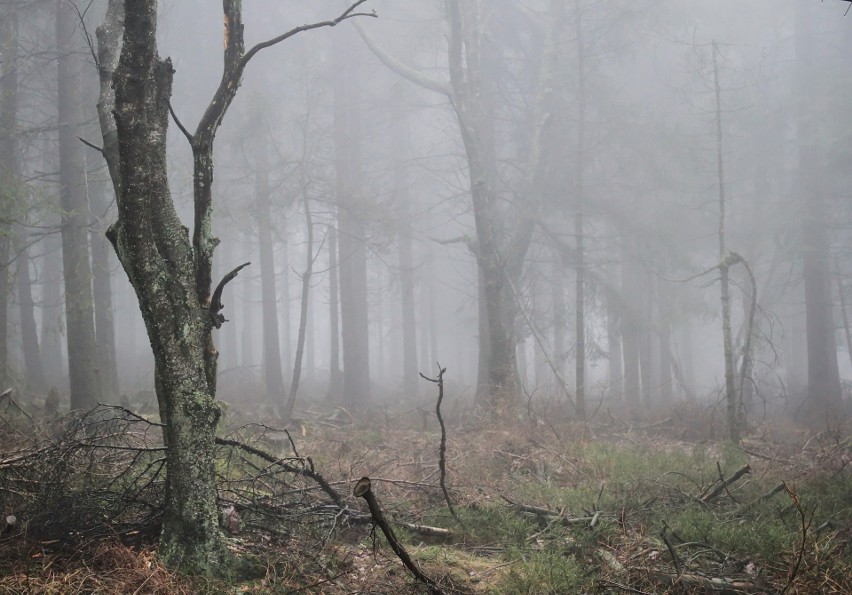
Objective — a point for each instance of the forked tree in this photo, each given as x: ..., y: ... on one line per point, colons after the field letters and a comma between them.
x: 170, y: 270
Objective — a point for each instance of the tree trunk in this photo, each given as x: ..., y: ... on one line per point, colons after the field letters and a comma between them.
x: 8, y: 166
x: 273, y: 379
x: 36, y: 382
x: 102, y: 290
x: 410, y: 384
x: 733, y: 408
x: 304, y: 304
x: 51, y: 308
x: 335, y: 375
x: 352, y: 238
x: 630, y: 331
x: 405, y: 243
x: 580, y: 288
x: 85, y: 384
x: 247, y: 330
x: 614, y: 321
x: 171, y: 281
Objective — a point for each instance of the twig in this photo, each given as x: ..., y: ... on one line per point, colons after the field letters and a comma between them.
x: 675, y: 558
x: 306, y: 471
x: 805, y: 524
x: 91, y: 145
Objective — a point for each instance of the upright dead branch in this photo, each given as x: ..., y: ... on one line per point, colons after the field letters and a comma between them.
x: 363, y: 490
x: 442, y: 450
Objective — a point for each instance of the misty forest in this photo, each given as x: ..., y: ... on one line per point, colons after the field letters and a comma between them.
x: 446, y: 296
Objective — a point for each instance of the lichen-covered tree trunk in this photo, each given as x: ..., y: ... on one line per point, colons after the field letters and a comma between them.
x: 170, y: 272
x: 155, y: 250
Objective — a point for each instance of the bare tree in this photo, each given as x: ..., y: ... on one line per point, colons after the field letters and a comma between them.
x: 504, y: 229
x: 171, y: 272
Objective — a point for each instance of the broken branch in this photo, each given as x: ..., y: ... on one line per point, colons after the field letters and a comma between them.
x: 363, y: 490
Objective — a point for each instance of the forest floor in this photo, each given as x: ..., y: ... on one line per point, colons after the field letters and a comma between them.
x: 543, y: 505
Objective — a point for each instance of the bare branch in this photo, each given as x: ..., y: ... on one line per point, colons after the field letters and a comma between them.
x: 91, y: 145
x: 216, y: 301
x: 180, y: 125
x: 348, y: 14
x: 407, y: 72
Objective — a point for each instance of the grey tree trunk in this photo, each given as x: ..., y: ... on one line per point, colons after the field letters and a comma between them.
x: 503, y: 233
x: 405, y: 243
x: 36, y: 382
x: 8, y: 164
x: 733, y: 406
x: 410, y: 384
x: 580, y: 287
x: 102, y: 289
x: 335, y: 380
x: 52, y: 320
x: 614, y: 321
x: 246, y: 323
x: 823, y: 378
x: 304, y: 303
x: 83, y: 372
x: 273, y: 379
x: 631, y: 331
x: 352, y: 263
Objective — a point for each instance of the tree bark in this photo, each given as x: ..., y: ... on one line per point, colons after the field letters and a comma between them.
x: 155, y: 251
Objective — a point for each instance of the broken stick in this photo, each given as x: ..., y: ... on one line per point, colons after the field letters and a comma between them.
x: 363, y: 490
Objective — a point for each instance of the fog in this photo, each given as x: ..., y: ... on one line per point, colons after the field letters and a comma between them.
x: 453, y: 211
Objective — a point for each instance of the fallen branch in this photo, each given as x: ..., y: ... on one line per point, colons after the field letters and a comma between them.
x: 546, y: 512
x: 723, y: 484
x: 427, y: 530
x: 362, y: 490
x: 306, y: 470
x: 701, y: 584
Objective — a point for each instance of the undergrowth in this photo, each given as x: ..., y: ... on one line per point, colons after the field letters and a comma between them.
x: 540, y: 510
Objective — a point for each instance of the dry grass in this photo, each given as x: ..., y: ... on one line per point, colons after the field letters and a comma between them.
x: 638, y: 478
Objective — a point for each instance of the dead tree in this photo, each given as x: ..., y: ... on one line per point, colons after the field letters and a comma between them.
x: 169, y: 270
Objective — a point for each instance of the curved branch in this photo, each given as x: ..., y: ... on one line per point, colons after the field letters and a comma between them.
x: 216, y: 301
x: 407, y: 72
